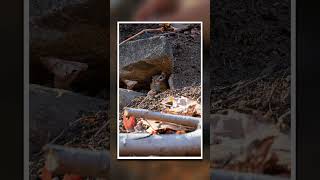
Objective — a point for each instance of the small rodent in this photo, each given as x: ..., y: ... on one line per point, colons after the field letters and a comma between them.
x: 159, y: 84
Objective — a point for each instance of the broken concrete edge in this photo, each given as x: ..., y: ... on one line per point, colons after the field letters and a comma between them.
x: 126, y: 96
x: 52, y: 110
x: 141, y: 59
x: 156, y: 47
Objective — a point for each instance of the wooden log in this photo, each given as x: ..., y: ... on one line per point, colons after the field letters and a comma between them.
x: 64, y: 160
x: 188, y: 144
x: 177, y: 119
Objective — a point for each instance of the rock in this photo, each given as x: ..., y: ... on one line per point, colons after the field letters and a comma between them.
x: 39, y: 34
x: 141, y: 59
x: 51, y: 111
x: 42, y: 7
x: 68, y: 27
x: 236, y: 131
x: 226, y: 149
x: 130, y: 84
x: 282, y: 147
x: 72, y: 30
x: 179, y: 25
x: 186, y: 64
x: 126, y: 96
x: 229, y: 148
x: 65, y: 72
x: 233, y: 124
x: 177, y: 54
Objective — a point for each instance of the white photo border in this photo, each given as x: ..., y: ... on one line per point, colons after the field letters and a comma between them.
x: 201, y: 122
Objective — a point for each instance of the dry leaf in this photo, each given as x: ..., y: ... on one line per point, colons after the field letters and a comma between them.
x: 165, y: 126
x: 257, y: 157
x: 129, y: 123
x: 181, y: 105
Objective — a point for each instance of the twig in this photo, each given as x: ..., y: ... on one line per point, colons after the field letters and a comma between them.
x: 104, y: 139
x: 103, y: 126
x: 272, y: 90
x: 75, y: 122
x: 270, y: 95
x: 56, y: 138
x: 246, y: 84
x: 161, y: 29
x: 141, y: 32
x: 64, y: 130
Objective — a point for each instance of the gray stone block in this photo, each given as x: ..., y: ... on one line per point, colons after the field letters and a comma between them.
x: 51, y: 110
x: 126, y: 96
x: 141, y: 59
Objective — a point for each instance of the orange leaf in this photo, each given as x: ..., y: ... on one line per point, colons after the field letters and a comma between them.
x: 129, y: 123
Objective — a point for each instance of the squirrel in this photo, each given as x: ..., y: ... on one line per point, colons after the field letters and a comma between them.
x: 158, y: 84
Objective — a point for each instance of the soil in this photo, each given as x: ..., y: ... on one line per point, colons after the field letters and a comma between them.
x: 249, y: 39
x: 250, y: 59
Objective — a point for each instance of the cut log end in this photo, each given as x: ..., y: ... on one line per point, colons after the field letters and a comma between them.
x: 65, y: 160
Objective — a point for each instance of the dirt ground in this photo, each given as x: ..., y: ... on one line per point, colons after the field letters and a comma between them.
x: 250, y: 59
x: 256, y: 53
